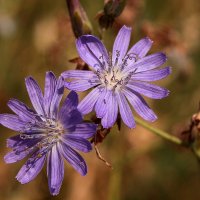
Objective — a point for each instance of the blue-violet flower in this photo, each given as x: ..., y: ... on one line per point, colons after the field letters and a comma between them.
x: 118, y: 78
x: 47, y: 133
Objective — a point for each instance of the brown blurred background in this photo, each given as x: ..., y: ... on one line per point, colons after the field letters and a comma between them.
x: 36, y: 36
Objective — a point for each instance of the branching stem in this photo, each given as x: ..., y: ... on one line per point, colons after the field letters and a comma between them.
x: 159, y: 132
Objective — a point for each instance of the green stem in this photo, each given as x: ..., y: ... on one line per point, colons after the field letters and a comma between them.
x: 159, y: 132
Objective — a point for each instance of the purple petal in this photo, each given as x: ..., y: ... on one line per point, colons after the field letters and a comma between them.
x: 140, y: 49
x: 59, y: 90
x: 55, y: 170
x: 35, y: 95
x: 92, y: 51
x: 140, y: 105
x: 85, y: 130
x: 112, y: 110
x: 14, y: 141
x: 147, y: 63
x: 17, y: 141
x: 101, y: 104
x: 79, y: 74
x: 148, y: 90
x: 152, y: 75
x: 81, y: 85
x: 70, y: 103
x: 12, y: 156
x: 12, y: 122
x: 74, y: 159
x: 71, y: 118
x: 24, y: 112
x: 125, y: 111
x: 50, y: 84
x: 87, y: 104
x: 77, y: 143
x: 121, y: 44
x: 21, y: 148
x: 31, y: 169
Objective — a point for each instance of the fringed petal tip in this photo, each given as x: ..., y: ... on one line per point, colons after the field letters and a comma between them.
x: 126, y: 27
x: 163, y: 56
x: 148, y: 39
x: 169, y: 70
x: 54, y: 191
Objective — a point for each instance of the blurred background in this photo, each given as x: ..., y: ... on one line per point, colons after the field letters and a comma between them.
x: 36, y: 36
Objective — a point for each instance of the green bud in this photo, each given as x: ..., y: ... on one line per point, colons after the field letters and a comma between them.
x: 79, y: 20
x: 112, y: 9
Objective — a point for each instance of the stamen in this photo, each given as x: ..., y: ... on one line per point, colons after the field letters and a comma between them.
x: 92, y: 82
x: 117, y: 57
x: 117, y: 53
x: 132, y: 56
x: 97, y: 66
x: 110, y: 62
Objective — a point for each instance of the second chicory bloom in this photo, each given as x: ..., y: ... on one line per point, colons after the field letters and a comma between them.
x: 118, y: 78
x: 47, y: 132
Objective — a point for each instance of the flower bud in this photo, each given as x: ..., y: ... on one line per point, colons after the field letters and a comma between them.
x: 79, y: 20
x: 112, y: 9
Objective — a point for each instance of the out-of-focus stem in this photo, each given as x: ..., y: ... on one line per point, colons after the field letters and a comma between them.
x: 159, y: 132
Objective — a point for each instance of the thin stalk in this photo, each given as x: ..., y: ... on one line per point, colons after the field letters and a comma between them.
x: 159, y: 132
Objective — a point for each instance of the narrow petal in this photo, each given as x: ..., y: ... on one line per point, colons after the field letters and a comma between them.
x: 13, y: 157
x: 147, y: 63
x: 140, y: 105
x: 35, y: 95
x: 50, y: 84
x: 17, y: 141
x: 14, y: 141
x: 85, y: 130
x: 148, y: 90
x: 69, y: 115
x: 31, y: 169
x: 55, y: 170
x: 140, y: 49
x: 71, y: 118
x: 79, y: 74
x: 87, y: 104
x: 74, y: 159
x: 112, y: 110
x: 70, y: 103
x: 77, y: 143
x: 125, y: 111
x: 12, y: 122
x: 101, y: 104
x: 92, y: 51
x: 21, y: 148
x: 59, y: 90
x: 81, y: 85
x: 121, y: 44
x: 152, y: 75
x: 23, y: 111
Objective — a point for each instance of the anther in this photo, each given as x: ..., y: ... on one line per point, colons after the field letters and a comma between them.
x: 117, y: 53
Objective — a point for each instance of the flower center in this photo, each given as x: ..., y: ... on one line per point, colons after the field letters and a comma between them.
x: 48, y: 131
x: 113, y: 79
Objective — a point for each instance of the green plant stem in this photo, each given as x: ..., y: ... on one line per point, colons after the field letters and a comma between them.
x: 159, y: 132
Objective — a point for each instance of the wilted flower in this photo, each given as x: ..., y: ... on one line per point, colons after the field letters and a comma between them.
x: 119, y: 78
x: 47, y: 133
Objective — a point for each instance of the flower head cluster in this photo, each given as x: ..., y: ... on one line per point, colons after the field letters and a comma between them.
x: 118, y: 78
x: 47, y: 132
x: 50, y: 132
